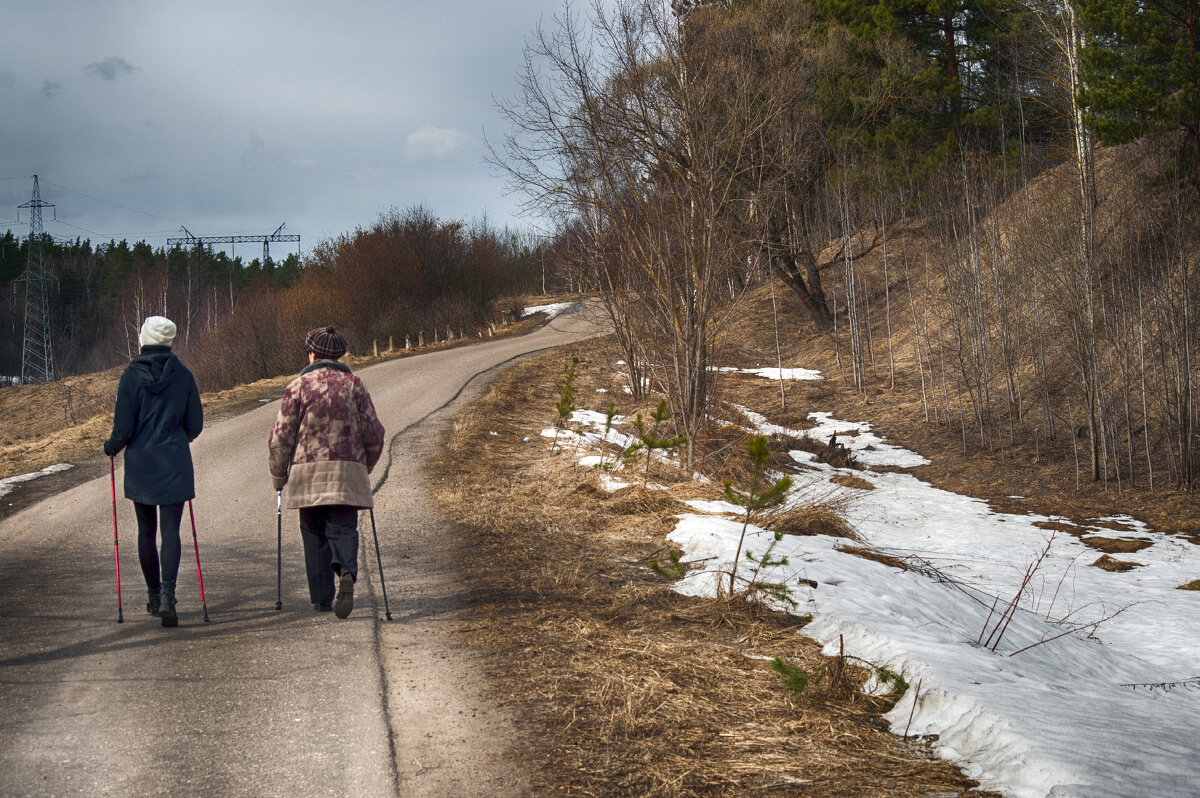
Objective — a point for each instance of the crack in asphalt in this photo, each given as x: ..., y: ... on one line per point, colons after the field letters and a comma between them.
x: 377, y: 653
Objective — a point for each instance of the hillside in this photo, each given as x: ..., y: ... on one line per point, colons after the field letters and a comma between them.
x: 623, y: 685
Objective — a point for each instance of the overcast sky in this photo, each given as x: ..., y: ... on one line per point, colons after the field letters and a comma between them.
x: 232, y: 117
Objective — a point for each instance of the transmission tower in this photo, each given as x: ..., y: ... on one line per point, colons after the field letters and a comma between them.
x: 187, y: 239
x: 37, y: 357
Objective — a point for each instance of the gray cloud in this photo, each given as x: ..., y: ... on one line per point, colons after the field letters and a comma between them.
x: 110, y: 68
x: 428, y: 144
x: 261, y: 157
x: 355, y: 108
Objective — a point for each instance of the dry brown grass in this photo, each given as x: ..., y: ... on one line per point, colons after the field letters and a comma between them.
x: 1107, y: 563
x: 851, y: 481
x: 623, y: 687
x: 1041, y: 472
x: 821, y: 518
x: 876, y: 556
x: 1117, y: 545
x: 1193, y: 585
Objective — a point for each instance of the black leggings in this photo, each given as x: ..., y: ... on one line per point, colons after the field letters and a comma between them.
x: 170, y: 515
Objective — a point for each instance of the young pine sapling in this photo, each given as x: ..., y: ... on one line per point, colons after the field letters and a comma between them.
x: 610, y: 413
x: 566, y: 398
x: 649, y: 440
x: 754, y: 499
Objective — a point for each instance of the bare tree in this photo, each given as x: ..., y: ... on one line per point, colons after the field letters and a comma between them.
x: 642, y: 127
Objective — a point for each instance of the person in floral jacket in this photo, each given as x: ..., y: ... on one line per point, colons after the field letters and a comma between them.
x: 325, y: 441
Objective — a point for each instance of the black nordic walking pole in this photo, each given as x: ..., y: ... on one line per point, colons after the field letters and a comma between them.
x: 278, y: 550
x: 378, y: 560
x: 199, y: 574
x: 112, y: 470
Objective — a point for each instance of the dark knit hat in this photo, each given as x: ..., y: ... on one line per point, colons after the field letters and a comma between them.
x: 326, y: 343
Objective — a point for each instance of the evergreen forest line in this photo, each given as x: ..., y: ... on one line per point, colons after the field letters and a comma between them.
x: 405, y: 274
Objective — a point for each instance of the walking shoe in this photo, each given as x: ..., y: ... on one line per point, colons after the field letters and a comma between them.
x: 344, y: 602
x: 323, y: 607
x: 166, y: 608
x: 153, y: 604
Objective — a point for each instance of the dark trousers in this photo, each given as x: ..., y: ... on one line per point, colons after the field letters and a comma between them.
x: 150, y: 517
x: 330, y: 546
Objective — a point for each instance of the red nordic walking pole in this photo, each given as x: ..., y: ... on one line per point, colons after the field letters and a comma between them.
x: 112, y: 470
x: 199, y: 574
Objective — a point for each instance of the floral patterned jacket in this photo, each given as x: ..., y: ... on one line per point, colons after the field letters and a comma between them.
x: 326, y: 438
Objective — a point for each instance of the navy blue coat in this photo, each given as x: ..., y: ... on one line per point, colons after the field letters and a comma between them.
x: 158, y: 415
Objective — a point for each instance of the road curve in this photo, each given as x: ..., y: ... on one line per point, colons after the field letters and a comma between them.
x: 257, y: 702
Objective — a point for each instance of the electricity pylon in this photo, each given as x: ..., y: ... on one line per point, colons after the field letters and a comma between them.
x: 37, y: 356
x: 187, y: 239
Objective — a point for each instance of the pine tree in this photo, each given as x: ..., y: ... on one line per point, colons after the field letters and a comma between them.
x: 650, y: 440
x: 566, y: 397
x: 754, y: 500
x: 1142, y: 68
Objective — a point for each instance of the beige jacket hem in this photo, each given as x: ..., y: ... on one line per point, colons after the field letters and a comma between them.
x: 329, y: 482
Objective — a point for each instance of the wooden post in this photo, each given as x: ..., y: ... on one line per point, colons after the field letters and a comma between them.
x: 390, y: 347
x: 375, y: 346
x: 407, y: 343
x: 421, y: 338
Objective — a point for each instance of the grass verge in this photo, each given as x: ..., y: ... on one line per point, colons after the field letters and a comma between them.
x: 621, y: 685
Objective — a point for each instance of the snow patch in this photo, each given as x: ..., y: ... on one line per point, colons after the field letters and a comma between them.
x: 8, y: 483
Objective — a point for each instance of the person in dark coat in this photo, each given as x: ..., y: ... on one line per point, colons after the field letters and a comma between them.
x: 158, y: 415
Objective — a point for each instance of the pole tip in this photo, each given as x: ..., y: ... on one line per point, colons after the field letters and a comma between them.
x: 278, y: 605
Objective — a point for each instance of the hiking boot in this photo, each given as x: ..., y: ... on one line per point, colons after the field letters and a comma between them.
x: 153, y: 604
x: 166, y: 607
x: 323, y: 607
x: 344, y: 603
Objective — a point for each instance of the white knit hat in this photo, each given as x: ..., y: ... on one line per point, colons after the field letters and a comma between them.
x: 157, y: 331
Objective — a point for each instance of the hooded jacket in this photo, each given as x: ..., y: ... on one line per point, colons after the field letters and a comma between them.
x: 158, y: 415
x: 326, y: 439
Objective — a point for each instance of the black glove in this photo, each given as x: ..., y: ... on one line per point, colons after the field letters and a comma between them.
x: 111, y: 448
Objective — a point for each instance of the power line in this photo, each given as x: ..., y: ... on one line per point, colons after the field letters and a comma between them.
x: 119, y: 205
x: 84, y: 229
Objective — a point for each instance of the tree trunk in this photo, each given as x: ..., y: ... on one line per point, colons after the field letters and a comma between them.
x: 807, y: 286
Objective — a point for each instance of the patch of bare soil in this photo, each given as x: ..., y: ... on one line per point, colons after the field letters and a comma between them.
x: 622, y: 686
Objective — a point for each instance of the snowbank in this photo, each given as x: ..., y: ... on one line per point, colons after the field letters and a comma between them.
x: 8, y: 483
x: 1041, y: 714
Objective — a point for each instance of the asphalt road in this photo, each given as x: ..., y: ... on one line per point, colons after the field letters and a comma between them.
x: 257, y: 702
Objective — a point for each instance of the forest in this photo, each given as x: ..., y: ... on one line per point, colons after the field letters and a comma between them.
x: 405, y: 273
x: 995, y: 201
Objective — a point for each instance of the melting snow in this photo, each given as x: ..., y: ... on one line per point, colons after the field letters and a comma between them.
x: 1109, y: 709
x: 8, y: 483
x: 1066, y: 716
x: 775, y: 374
x: 556, y: 309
